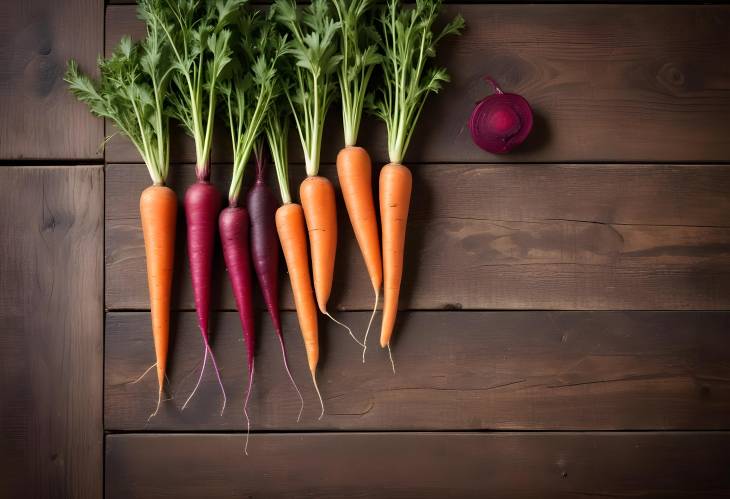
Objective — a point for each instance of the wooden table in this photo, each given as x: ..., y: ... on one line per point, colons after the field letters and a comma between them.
x: 565, y: 324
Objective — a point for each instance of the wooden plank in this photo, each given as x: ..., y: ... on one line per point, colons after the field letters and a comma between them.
x: 41, y: 119
x: 608, y: 83
x: 419, y: 465
x: 51, y: 278
x: 589, y: 237
x: 456, y: 370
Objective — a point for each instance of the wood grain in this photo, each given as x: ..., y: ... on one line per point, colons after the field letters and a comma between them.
x: 608, y: 83
x: 51, y: 278
x: 41, y: 119
x: 420, y: 465
x: 456, y: 370
x: 588, y: 237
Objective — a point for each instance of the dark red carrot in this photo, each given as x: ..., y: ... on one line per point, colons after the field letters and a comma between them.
x: 233, y: 224
x: 262, y: 206
x: 202, y: 205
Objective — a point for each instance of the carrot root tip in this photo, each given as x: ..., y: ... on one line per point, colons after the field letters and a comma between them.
x: 319, y: 394
x: 352, y: 335
x: 218, y: 376
x: 370, y: 323
x: 291, y: 378
x: 390, y: 354
x: 245, y: 405
x: 200, y: 378
x: 143, y: 374
x: 157, y: 409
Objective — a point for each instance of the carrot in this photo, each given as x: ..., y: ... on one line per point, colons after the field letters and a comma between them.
x: 407, y: 42
x: 395, y: 198
x: 262, y: 206
x: 158, y: 211
x: 198, y: 36
x: 314, y: 56
x: 318, y: 201
x: 354, y: 170
x: 292, y: 234
x: 133, y: 92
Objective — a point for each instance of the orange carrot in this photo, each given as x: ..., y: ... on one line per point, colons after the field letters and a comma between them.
x: 354, y: 171
x: 318, y: 200
x: 293, y: 238
x: 158, y: 211
x: 395, y: 198
x: 135, y: 69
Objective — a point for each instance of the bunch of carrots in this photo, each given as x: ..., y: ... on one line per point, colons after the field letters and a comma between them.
x: 263, y: 72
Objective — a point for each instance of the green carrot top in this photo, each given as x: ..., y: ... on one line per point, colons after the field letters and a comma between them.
x: 314, y: 53
x: 132, y: 91
x: 359, y: 52
x: 248, y: 94
x: 198, y: 35
x: 277, y: 133
x: 408, y: 42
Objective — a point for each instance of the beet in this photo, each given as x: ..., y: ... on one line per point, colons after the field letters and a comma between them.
x: 500, y: 122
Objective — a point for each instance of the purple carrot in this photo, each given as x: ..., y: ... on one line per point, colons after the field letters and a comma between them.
x: 262, y: 205
x: 233, y: 224
x: 202, y: 204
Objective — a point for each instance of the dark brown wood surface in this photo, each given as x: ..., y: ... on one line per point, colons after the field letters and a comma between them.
x: 420, y: 465
x: 455, y: 371
x: 608, y: 83
x: 501, y: 237
x: 51, y: 277
x: 40, y: 118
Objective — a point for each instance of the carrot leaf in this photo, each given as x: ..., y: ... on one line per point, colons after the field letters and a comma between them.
x: 248, y: 94
x: 314, y: 55
x: 132, y: 92
x: 359, y: 52
x: 407, y: 41
x: 198, y: 35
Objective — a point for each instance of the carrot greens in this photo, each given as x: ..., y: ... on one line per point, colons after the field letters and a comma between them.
x: 133, y: 93
x: 199, y: 37
x: 359, y: 57
x: 314, y: 51
x: 408, y: 42
x: 249, y: 93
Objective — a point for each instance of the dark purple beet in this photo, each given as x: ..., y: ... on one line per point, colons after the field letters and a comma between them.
x: 202, y: 205
x: 500, y: 122
x: 262, y: 205
x: 233, y: 224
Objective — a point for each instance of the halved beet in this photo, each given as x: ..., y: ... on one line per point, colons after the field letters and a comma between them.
x: 500, y: 122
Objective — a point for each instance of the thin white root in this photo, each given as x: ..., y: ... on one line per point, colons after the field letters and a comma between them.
x: 345, y: 326
x: 372, y: 316
x: 245, y: 405
x: 291, y: 378
x: 200, y: 378
x: 218, y: 375
x: 316, y: 387
x: 390, y: 354
x: 143, y: 375
x: 157, y: 409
